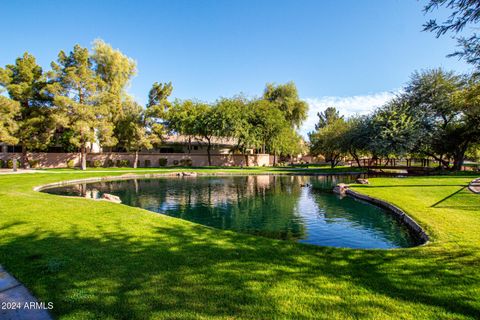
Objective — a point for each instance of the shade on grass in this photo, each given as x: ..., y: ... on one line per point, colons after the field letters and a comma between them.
x: 102, y: 260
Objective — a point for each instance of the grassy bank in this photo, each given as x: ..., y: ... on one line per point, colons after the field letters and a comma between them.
x: 103, y: 260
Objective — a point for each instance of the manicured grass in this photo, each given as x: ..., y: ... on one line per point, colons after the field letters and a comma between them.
x: 98, y: 260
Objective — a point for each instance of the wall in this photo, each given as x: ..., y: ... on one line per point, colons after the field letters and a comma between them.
x: 59, y: 160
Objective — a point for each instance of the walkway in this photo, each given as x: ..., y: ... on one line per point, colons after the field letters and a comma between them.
x: 16, y: 303
x: 474, y: 186
x: 10, y: 171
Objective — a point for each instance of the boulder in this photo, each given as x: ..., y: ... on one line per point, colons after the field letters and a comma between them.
x: 361, y: 181
x: 340, y: 189
x: 111, y: 198
x: 189, y: 174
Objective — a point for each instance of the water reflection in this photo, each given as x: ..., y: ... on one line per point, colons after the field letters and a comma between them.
x: 295, y: 208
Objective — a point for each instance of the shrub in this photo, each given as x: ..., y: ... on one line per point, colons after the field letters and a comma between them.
x: 186, y: 162
x: 97, y: 163
x: 10, y: 164
x: 162, y: 162
x: 175, y: 162
x: 33, y: 163
x: 148, y: 163
x: 70, y: 164
x: 123, y: 163
x: 89, y: 163
x: 2, y: 163
x: 110, y: 163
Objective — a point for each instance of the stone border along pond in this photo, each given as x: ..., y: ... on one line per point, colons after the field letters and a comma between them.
x: 474, y: 186
x: 417, y: 231
x: 399, y: 214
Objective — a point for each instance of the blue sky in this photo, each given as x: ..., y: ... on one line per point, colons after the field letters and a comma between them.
x: 352, y: 54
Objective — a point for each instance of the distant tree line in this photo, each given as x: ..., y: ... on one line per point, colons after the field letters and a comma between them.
x: 437, y: 115
x: 83, y: 100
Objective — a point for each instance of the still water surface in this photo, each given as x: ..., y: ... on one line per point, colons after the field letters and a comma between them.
x: 297, y: 208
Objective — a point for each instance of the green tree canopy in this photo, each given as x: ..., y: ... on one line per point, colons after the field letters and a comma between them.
x: 285, y: 97
x: 76, y: 89
x: 395, y: 130
x: 25, y: 83
x: 157, y: 108
x: 131, y: 130
x: 9, y: 110
x: 357, y: 138
x: 114, y: 70
x: 329, y: 141
x: 329, y: 115
x: 430, y: 95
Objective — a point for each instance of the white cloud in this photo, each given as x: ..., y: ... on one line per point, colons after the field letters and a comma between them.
x: 347, y: 106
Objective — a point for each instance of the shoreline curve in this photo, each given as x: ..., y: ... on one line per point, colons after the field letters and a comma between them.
x: 416, y: 230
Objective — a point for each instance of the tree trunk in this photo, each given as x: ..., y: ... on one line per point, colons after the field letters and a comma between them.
x: 459, y: 157
x: 332, y: 161
x: 209, y: 146
x: 83, y: 153
x: 25, y: 162
x: 274, y: 159
x: 440, y: 161
x: 135, y: 160
x: 247, y: 162
x: 357, y: 158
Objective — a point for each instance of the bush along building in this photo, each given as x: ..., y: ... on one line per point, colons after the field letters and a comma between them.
x: 174, y: 150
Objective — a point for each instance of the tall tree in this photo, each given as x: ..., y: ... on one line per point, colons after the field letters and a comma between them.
x: 240, y: 116
x: 130, y: 129
x: 113, y: 67
x: 329, y: 141
x: 180, y: 119
x: 8, y: 126
x: 115, y: 71
x: 466, y: 132
x: 209, y: 124
x: 358, y: 137
x: 157, y: 108
x: 396, y: 131
x: 25, y: 83
x: 430, y: 96
x: 329, y: 115
x: 76, y: 90
x: 285, y: 97
x: 268, y: 123
x: 287, y: 143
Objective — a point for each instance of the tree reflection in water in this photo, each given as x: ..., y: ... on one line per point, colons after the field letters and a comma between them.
x: 299, y: 208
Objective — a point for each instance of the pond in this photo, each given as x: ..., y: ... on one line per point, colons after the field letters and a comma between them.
x: 296, y: 208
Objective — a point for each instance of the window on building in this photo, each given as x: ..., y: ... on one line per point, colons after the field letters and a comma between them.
x: 166, y: 150
x: 14, y: 149
x: 195, y: 147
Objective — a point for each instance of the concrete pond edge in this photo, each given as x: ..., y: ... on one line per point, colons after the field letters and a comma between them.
x: 417, y: 231
x: 474, y: 186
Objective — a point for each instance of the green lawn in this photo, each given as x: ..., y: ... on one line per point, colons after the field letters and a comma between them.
x: 99, y: 260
